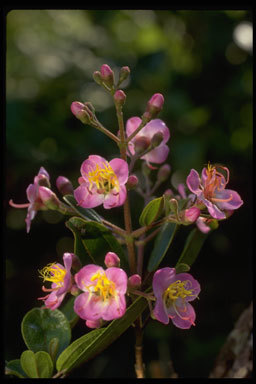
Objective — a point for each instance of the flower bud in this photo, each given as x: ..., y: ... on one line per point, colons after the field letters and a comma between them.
x: 168, y: 193
x: 141, y: 144
x: 42, y: 180
x: 48, y: 198
x: 107, y: 75
x: 134, y: 281
x: 132, y: 182
x: 97, y: 77
x: 78, y: 109
x: 112, y: 260
x: 191, y: 215
x: 163, y: 172
x: 157, y: 139
x: 154, y: 106
x: 64, y: 185
x: 123, y: 74
x: 120, y: 97
x: 93, y: 323
x: 74, y: 290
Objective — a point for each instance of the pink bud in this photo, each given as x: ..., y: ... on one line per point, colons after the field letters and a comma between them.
x: 132, y: 182
x: 64, y: 185
x: 164, y: 172
x: 124, y: 73
x: 93, y: 323
x: 97, y: 77
x: 48, y: 198
x: 134, y: 281
x: 77, y: 108
x: 168, y: 193
x: 120, y: 97
x: 157, y: 139
x: 112, y: 260
x: 156, y: 101
x: 107, y: 75
x: 192, y: 214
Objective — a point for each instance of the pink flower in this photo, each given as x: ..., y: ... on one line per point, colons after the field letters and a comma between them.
x: 102, y: 182
x: 103, y: 294
x: 33, y: 194
x: 173, y: 293
x: 159, y: 154
x: 210, y: 190
x: 61, y: 280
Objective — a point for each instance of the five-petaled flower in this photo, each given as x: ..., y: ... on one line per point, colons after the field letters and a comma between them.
x: 210, y: 191
x: 61, y: 279
x: 103, y: 295
x: 102, y: 182
x: 33, y: 194
x: 173, y: 293
x: 157, y: 155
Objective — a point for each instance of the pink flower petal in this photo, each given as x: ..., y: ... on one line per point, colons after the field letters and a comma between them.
x: 226, y: 194
x: 162, y: 279
x: 132, y: 124
x: 86, y: 199
x: 154, y: 126
x: 83, y: 277
x: 160, y: 312
x: 119, y: 277
x: 193, y: 182
x: 158, y: 155
x: 120, y: 167
x: 185, y: 318
x: 88, y: 306
x: 115, y: 308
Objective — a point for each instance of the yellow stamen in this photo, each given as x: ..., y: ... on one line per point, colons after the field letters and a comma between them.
x: 104, y: 178
x: 176, y: 290
x: 103, y: 287
x: 53, y: 273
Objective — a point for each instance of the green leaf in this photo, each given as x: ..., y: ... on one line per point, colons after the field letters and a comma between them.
x: 87, y: 346
x: 161, y: 245
x: 93, y: 240
x: 68, y: 310
x: 14, y: 368
x: 37, y: 365
x: 193, y: 245
x: 86, y: 213
x: 40, y: 325
x: 152, y: 211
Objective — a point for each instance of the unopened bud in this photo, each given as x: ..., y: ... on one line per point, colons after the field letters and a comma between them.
x: 107, y: 75
x: 64, y: 185
x: 42, y: 180
x: 173, y: 203
x: 134, y: 281
x: 93, y: 323
x: 83, y: 112
x: 157, y: 139
x: 123, y: 74
x: 154, y: 106
x: 141, y: 144
x: 48, y: 198
x: 168, y: 193
x: 191, y: 215
x: 132, y: 182
x: 97, y: 77
x: 112, y: 260
x: 74, y: 290
x: 120, y: 97
x: 164, y: 172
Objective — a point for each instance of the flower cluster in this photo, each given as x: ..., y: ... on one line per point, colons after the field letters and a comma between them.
x: 103, y: 292
x: 100, y: 293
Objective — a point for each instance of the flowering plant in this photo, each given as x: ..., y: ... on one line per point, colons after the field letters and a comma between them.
x: 131, y: 289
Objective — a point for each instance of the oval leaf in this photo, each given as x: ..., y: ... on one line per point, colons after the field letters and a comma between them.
x: 193, y: 245
x: 44, y: 364
x: 37, y: 365
x: 86, y: 213
x: 152, y: 211
x: 13, y: 367
x: 161, y: 245
x: 28, y: 364
x: 40, y: 325
x: 96, y: 341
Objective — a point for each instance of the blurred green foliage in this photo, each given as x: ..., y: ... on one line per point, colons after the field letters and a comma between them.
x: 201, y: 61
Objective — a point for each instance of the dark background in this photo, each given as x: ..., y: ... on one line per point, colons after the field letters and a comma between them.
x: 201, y: 61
